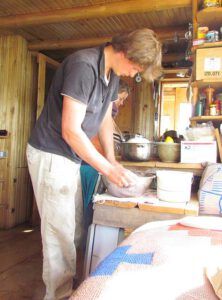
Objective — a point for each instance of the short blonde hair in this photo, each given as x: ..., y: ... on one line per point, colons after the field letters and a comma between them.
x: 143, y: 48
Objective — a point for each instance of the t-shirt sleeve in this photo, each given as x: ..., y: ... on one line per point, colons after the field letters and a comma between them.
x: 78, y: 81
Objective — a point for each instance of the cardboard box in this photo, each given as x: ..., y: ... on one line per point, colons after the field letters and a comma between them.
x: 209, y: 64
x: 198, y: 152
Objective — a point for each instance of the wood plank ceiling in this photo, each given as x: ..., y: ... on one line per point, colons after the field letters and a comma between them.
x: 57, y: 27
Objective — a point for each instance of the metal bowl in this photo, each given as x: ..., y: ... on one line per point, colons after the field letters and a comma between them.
x: 136, y: 151
x: 135, y: 190
x: 168, y: 152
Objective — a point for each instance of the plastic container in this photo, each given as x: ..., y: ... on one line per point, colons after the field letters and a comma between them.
x: 174, y: 186
x: 201, y: 32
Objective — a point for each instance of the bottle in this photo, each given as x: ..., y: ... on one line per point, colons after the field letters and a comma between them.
x: 199, y: 108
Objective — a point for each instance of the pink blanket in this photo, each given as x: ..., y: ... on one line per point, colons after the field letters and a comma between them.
x: 156, y: 263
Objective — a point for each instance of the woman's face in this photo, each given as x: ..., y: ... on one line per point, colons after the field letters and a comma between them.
x: 121, y: 98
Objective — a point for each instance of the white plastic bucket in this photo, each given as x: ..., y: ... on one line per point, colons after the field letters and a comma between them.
x: 174, y: 186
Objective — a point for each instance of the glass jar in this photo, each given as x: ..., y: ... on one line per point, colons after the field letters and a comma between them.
x: 213, y: 110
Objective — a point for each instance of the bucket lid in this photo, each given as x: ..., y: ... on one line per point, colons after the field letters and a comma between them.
x: 173, y: 173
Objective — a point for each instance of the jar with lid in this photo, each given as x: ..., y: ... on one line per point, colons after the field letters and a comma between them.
x: 213, y: 110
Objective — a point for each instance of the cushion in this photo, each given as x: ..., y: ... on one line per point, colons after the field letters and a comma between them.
x: 204, y: 222
x: 210, y: 190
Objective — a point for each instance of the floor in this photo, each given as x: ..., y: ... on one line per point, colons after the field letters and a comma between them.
x: 21, y: 264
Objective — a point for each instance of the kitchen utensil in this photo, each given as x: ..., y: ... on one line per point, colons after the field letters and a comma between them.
x: 136, y: 149
x: 136, y: 190
x: 168, y: 152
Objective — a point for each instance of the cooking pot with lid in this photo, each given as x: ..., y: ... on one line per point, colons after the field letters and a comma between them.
x: 136, y: 149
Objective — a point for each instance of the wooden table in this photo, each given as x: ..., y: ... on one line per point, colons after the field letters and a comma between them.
x: 132, y: 215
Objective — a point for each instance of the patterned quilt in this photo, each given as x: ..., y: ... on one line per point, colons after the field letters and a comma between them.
x: 157, y: 262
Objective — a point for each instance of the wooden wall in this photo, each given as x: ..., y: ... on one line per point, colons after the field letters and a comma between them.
x: 17, y: 115
x: 125, y: 116
x: 143, y: 109
x: 137, y: 114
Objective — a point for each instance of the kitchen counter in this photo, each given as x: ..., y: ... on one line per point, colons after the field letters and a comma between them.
x: 110, y: 217
x: 131, y: 215
x: 196, y: 168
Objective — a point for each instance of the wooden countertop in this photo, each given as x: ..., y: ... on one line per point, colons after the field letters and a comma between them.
x: 189, y: 208
x: 132, y: 215
x: 196, y: 168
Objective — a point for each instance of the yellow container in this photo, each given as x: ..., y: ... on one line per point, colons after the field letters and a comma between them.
x: 201, y: 32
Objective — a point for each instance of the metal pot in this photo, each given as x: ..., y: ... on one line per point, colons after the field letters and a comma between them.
x: 127, y: 136
x: 136, y: 151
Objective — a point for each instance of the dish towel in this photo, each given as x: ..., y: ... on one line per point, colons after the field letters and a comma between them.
x: 89, y: 177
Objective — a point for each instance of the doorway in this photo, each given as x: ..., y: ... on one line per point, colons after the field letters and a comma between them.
x: 175, y: 110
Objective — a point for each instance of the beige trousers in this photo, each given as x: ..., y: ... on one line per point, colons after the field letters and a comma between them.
x: 57, y: 189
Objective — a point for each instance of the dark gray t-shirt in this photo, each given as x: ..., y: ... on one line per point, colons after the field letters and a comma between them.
x: 80, y: 76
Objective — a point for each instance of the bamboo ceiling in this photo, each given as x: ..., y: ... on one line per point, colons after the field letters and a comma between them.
x: 55, y: 25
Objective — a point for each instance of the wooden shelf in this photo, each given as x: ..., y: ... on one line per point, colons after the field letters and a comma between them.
x: 155, y: 163
x: 206, y: 83
x: 175, y: 70
x: 206, y: 118
x: 210, y: 16
x: 4, y: 136
x: 208, y: 45
x: 175, y: 79
x: 196, y: 168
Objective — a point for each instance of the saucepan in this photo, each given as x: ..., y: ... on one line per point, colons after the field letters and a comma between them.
x: 136, y: 149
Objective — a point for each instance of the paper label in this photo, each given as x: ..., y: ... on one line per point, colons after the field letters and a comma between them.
x: 212, y: 64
